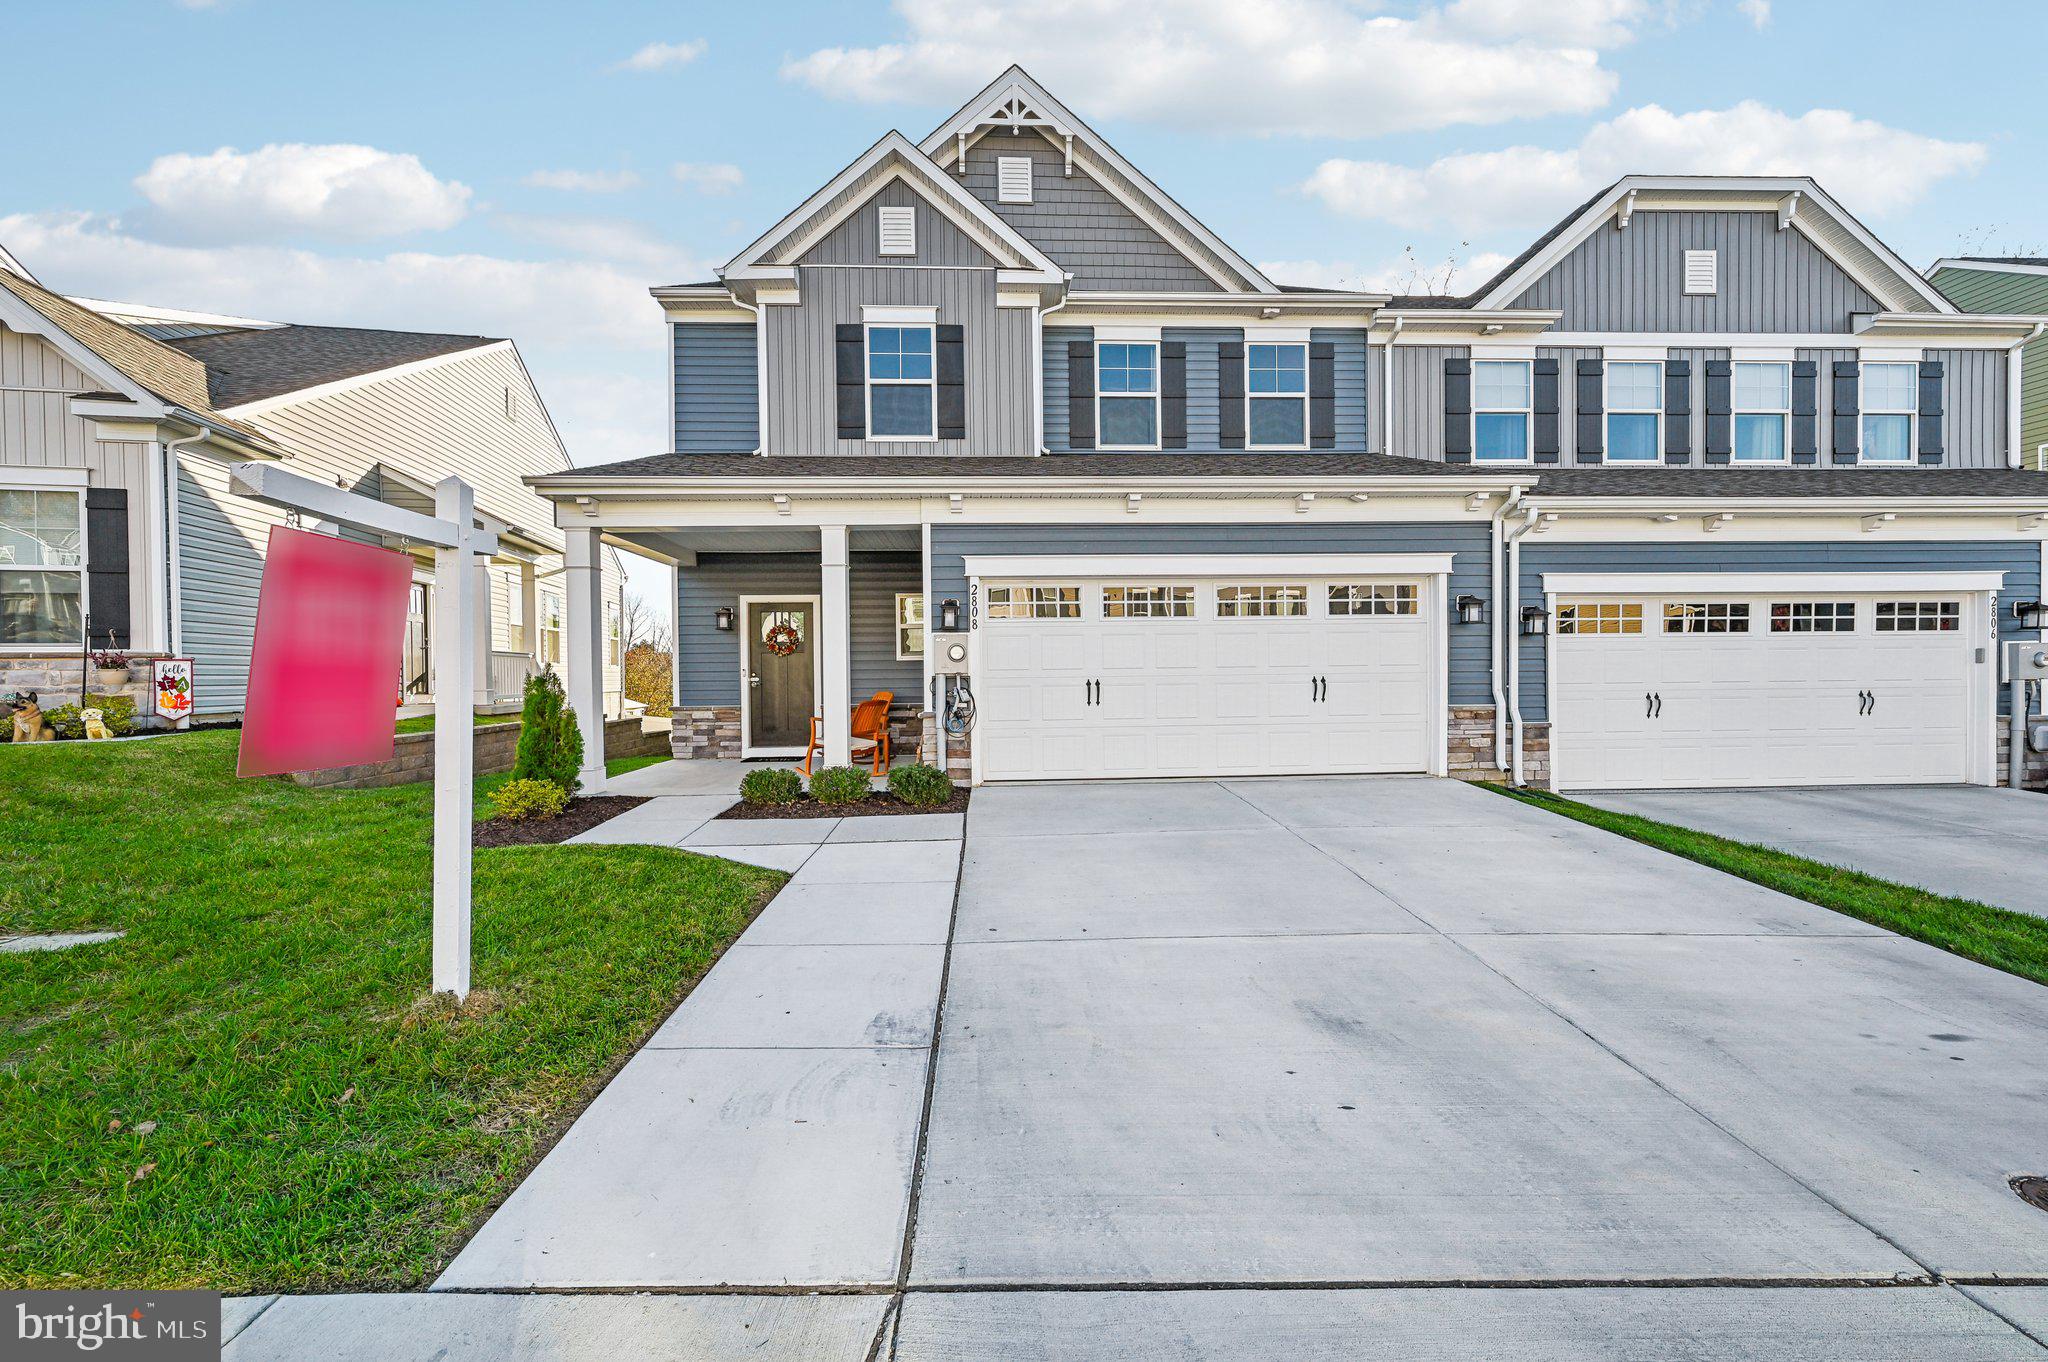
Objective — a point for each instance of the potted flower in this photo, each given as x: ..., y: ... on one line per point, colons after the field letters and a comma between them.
x: 112, y: 667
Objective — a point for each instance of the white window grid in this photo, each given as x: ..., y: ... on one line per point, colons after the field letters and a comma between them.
x: 1263, y: 601
x: 1372, y: 598
x: 902, y: 360
x: 1919, y: 617
x: 614, y: 642
x: 1502, y: 387
x: 551, y: 630
x: 1034, y: 603
x: 1706, y: 617
x: 1888, y: 398
x: 42, y: 535
x: 1148, y: 602
x: 909, y: 626
x: 1276, y: 376
x: 1813, y: 617
x: 1762, y: 388
x: 1118, y: 358
x: 1600, y: 617
x: 1634, y: 390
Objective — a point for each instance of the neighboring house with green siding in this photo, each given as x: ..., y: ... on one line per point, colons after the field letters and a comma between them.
x: 2011, y: 285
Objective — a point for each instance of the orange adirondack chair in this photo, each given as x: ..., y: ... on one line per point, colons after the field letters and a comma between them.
x: 870, y: 724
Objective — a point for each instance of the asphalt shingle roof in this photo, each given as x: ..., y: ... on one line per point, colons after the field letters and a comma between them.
x: 247, y: 366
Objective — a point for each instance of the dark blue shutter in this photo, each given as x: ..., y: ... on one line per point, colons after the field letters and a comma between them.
x: 1931, y: 446
x: 1457, y: 410
x: 951, y: 373
x: 1544, y: 399
x: 1173, y: 394
x: 1845, y: 399
x: 850, y: 350
x: 1081, y: 394
x: 1720, y: 410
x: 1322, y: 395
x: 1591, y: 410
x: 1805, y: 412
x: 106, y: 566
x: 1230, y: 394
x: 1677, y: 411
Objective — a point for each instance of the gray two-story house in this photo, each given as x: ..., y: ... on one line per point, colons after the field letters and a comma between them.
x: 1707, y: 487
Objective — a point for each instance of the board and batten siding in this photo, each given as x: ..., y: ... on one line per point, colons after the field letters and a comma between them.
x: 2002, y: 291
x: 858, y: 240
x: 1419, y: 399
x: 717, y: 397
x: 710, y: 668
x: 1632, y: 278
x: 1974, y: 401
x: 1080, y: 226
x: 1470, y: 659
x: 803, y: 373
x: 2019, y: 560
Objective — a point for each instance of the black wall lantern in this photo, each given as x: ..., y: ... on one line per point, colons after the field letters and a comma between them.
x: 1471, y: 610
x: 2028, y: 613
x: 723, y: 618
x: 1533, y: 619
x: 949, y: 617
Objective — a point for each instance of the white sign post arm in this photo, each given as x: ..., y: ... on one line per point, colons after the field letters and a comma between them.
x: 454, y: 742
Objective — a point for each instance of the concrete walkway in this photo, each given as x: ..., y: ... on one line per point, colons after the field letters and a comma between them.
x: 1976, y: 842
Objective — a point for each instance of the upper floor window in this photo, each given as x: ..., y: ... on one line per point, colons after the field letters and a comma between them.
x: 1127, y: 394
x: 1276, y: 382
x: 900, y: 398
x: 42, y: 566
x: 1500, y: 410
x: 1635, y: 411
x: 614, y: 641
x: 551, y: 630
x: 1763, y: 412
x: 1889, y: 403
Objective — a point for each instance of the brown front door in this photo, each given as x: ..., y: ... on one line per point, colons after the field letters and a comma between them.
x: 781, y: 673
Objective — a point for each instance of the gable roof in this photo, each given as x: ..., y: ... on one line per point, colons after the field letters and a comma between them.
x: 249, y: 366
x: 1015, y: 99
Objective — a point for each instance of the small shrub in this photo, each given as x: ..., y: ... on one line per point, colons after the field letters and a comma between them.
x: 921, y: 786
x: 116, y: 711
x: 771, y: 785
x: 522, y: 799
x: 840, y: 785
x: 550, y: 744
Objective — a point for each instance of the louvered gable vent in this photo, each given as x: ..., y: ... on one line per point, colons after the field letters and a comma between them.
x: 1702, y: 272
x: 1013, y: 179
x: 899, y: 231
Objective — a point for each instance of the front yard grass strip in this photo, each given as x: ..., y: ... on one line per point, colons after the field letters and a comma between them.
x: 2014, y: 942
x: 252, y: 1092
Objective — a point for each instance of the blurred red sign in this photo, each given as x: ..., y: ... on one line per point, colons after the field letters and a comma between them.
x: 330, y: 629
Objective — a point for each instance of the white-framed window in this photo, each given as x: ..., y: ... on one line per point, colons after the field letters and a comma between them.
x: 1034, y: 603
x: 1127, y: 395
x: 1013, y: 179
x: 1706, y: 617
x: 550, y: 629
x: 1261, y: 602
x: 42, y: 567
x: 898, y: 231
x: 1702, y: 272
x: 1919, y: 617
x: 1372, y: 598
x: 909, y: 626
x: 1276, y: 386
x: 515, y: 615
x: 1635, y: 411
x: 614, y: 639
x: 1148, y: 602
x: 1501, y: 392
x: 1600, y: 617
x: 1890, y: 403
x: 901, y: 396
x: 1763, y: 411
x: 1813, y: 617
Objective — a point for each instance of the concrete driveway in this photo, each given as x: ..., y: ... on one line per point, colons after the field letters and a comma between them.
x: 1974, y: 842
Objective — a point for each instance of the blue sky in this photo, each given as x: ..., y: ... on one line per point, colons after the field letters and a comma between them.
x: 527, y: 170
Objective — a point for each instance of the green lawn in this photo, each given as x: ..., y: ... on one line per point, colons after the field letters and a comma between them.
x: 424, y: 723
x: 618, y: 766
x: 1999, y: 937
x: 252, y: 1090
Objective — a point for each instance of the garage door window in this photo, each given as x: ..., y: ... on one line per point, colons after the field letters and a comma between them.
x: 1034, y: 603
x: 1148, y: 602
x: 1615, y: 618
x: 1371, y: 599
x: 1249, y: 602
x: 1706, y: 617
x: 1919, y: 617
x: 1813, y: 617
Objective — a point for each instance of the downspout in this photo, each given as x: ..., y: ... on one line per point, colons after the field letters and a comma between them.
x: 1515, y: 634
x: 2015, y: 372
x: 1500, y: 618
x: 1038, y: 377
x: 760, y: 312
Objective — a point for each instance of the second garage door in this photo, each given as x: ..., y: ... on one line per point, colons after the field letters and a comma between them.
x: 1200, y: 677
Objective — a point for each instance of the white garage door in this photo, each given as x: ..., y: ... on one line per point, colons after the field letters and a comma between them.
x: 1815, y: 689
x: 1200, y: 677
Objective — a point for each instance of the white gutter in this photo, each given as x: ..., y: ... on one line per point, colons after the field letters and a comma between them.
x: 1514, y: 547
x: 2015, y: 370
x: 1494, y: 546
x: 567, y: 485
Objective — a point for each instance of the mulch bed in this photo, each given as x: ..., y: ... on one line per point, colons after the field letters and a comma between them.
x: 881, y: 803
x: 582, y: 815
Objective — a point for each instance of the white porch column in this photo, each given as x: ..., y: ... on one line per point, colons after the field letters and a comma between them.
x: 583, y: 647
x: 482, y: 635
x: 454, y: 750
x: 835, y: 637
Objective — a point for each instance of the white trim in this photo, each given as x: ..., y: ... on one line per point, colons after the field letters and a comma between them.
x: 1527, y: 412
x: 1278, y: 336
x: 1128, y: 333
x: 18, y: 315
x: 1762, y: 583
x: 1608, y: 411
x: 339, y: 385
x: 746, y: 633
x: 143, y: 314
x: 1276, y: 333
x: 869, y: 381
x: 82, y: 569
x: 1019, y: 566
x: 1155, y: 396
x: 1736, y: 411
x: 898, y: 626
x: 18, y: 476
x: 1912, y: 414
x: 872, y: 315
x: 1642, y: 354
x: 1935, y: 338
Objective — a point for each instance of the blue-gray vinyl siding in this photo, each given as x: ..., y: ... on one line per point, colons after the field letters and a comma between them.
x: 1468, y: 543
x: 1632, y: 278
x: 717, y: 398
x: 1419, y: 399
x: 2020, y: 561
x: 710, y: 670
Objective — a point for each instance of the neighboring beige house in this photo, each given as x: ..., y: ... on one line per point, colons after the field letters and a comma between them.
x: 119, y: 425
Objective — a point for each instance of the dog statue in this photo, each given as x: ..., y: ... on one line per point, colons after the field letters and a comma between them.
x: 29, y: 724
x: 96, y: 729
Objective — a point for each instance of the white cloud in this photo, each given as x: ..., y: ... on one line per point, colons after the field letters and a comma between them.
x: 1758, y: 12
x: 1312, y: 67
x: 340, y: 191
x: 617, y: 241
x: 661, y: 56
x: 708, y: 177
x: 1878, y: 169
x: 1410, y: 272
x: 582, y: 181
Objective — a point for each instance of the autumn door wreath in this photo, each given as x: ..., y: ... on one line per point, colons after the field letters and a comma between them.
x: 782, y: 639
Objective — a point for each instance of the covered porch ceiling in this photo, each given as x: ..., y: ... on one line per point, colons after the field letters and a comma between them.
x: 685, y: 542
